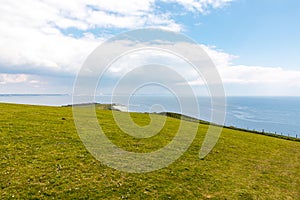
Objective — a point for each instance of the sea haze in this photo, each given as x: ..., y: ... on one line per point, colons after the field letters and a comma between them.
x: 279, y: 115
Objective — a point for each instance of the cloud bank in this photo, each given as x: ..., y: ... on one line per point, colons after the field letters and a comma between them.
x: 54, y: 37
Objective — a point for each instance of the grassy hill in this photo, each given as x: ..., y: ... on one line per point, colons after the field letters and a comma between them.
x: 43, y: 157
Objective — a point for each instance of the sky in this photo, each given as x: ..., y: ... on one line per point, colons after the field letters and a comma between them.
x: 253, y: 43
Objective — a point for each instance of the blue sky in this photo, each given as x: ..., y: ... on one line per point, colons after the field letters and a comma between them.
x: 254, y: 43
x: 259, y: 32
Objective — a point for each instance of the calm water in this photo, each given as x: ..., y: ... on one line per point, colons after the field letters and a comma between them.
x: 271, y: 114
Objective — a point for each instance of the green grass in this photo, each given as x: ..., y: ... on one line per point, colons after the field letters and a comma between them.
x: 43, y: 157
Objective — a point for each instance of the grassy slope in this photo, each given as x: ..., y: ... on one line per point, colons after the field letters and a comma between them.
x: 42, y: 156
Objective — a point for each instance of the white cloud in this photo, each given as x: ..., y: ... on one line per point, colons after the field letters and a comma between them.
x: 13, y: 78
x: 220, y: 58
x: 35, y: 50
x: 32, y: 39
x: 261, y: 75
x: 244, y: 76
x: 21, y: 80
x: 31, y: 31
x: 241, y: 75
x: 201, y: 6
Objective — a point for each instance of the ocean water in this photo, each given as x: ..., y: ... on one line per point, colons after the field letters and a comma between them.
x: 280, y: 115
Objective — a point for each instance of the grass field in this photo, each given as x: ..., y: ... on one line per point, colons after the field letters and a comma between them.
x: 42, y: 157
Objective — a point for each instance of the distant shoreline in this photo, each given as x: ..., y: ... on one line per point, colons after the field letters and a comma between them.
x: 177, y: 116
x: 277, y: 115
x: 189, y: 118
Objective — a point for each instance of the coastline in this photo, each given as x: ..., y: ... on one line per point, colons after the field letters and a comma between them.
x: 122, y: 108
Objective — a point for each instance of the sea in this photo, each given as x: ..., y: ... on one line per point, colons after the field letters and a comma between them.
x: 279, y: 115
